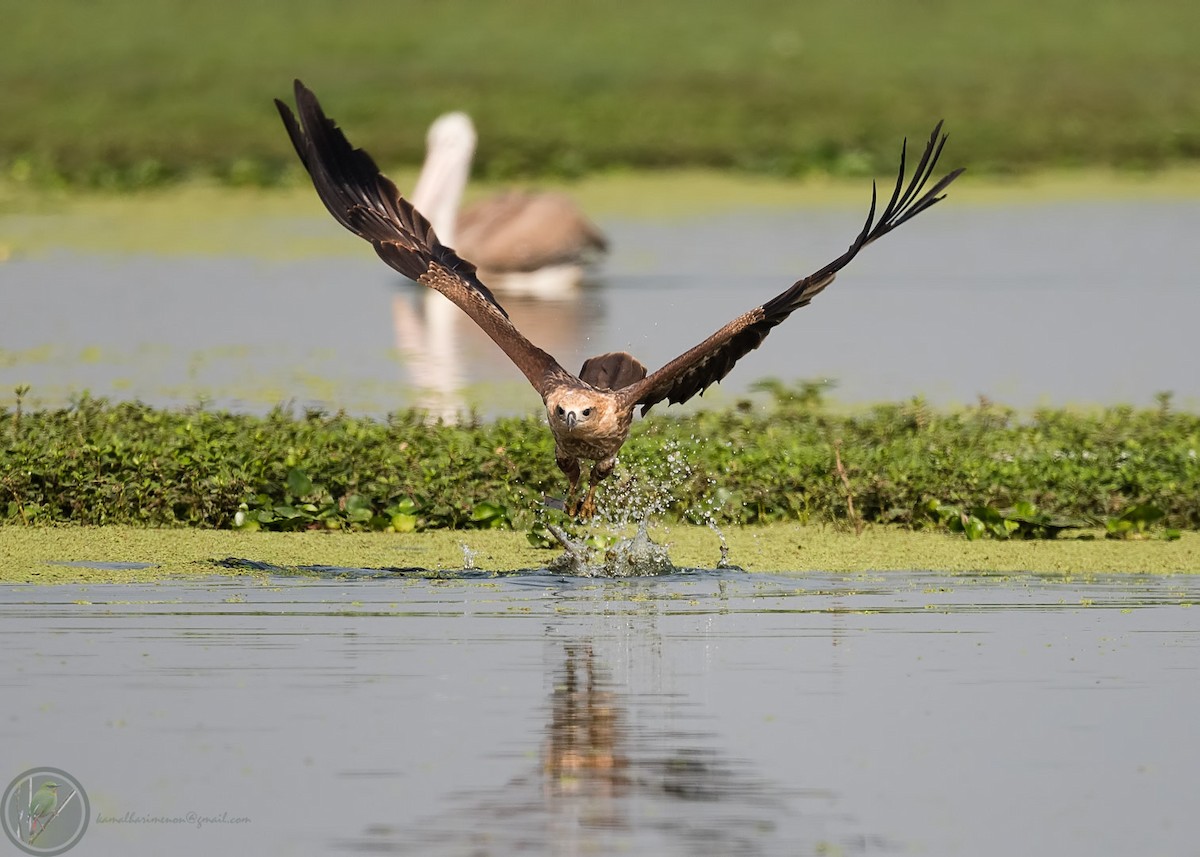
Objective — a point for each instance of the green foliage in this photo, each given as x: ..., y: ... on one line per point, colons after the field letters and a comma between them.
x: 306, y: 505
x: 539, y: 536
x: 1136, y: 522
x: 1022, y: 521
x: 983, y: 469
x: 130, y: 94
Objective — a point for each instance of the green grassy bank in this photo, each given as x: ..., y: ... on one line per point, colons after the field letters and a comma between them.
x: 127, y: 94
x: 785, y: 456
x: 36, y: 554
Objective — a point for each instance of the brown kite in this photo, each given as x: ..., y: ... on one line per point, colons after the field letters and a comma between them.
x: 589, y: 414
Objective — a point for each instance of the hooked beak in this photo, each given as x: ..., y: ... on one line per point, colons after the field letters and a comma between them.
x: 571, y: 420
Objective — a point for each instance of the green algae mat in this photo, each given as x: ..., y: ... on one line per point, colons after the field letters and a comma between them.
x: 125, y: 554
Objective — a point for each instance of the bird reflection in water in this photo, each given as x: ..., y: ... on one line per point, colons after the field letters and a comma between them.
x: 620, y: 773
x: 583, y: 756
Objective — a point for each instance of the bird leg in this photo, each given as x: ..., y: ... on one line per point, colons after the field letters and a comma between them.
x: 570, y: 467
x: 601, y: 470
x: 587, y: 509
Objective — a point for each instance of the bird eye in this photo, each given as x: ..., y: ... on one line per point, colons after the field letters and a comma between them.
x: 587, y: 412
x: 560, y: 410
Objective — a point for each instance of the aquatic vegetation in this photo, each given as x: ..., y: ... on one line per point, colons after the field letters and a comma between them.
x: 101, y: 463
x: 1026, y: 521
x: 1022, y: 521
x: 122, y: 554
x: 1136, y: 523
x: 309, y: 506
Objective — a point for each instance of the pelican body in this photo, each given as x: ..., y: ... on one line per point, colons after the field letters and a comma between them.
x: 526, y: 242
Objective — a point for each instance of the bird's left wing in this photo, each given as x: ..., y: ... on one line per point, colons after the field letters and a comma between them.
x: 367, y: 203
x: 695, y: 370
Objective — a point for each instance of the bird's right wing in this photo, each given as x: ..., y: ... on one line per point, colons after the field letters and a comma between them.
x: 698, y: 368
x: 367, y: 203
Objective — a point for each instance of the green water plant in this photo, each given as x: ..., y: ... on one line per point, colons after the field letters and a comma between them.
x: 1138, y: 522
x: 1023, y: 521
x: 769, y: 458
x: 307, y: 506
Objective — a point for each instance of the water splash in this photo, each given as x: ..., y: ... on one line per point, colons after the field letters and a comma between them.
x: 723, y: 562
x: 648, y: 486
x: 468, y: 557
x: 635, y: 557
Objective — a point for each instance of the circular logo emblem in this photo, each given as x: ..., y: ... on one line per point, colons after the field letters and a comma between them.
x: 44, y: 811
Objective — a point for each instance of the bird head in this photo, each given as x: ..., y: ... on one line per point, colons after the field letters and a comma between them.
x: 570, y: 409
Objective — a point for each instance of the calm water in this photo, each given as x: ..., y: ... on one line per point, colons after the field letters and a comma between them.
x: 1092, y: 302
x: 714, y: 714
x: 706, y: 714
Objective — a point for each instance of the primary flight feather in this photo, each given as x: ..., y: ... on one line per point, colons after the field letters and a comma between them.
x: 589, y: 414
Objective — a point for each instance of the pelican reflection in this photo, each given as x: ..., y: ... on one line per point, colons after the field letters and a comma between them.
x: 443, y: 351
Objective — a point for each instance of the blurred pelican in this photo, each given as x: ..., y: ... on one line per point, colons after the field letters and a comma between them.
x: 528, y: 242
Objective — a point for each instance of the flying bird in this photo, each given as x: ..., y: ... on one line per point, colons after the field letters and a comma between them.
x: 589, y: 413
x: 521, y: 241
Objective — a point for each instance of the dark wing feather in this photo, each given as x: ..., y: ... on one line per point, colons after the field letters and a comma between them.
x: 710, y: 361
x: 367, y: 203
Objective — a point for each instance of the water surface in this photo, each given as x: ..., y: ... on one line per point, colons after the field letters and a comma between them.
x: 704, y: 713
x: 1088, y: 302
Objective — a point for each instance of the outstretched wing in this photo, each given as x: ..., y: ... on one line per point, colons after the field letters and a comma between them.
x: 367, y: 203
x: 710, y: 361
